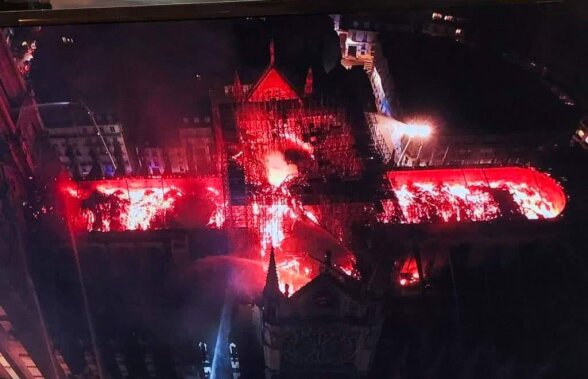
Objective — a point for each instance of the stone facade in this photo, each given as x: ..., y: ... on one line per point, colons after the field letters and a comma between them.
x: 327, y: 329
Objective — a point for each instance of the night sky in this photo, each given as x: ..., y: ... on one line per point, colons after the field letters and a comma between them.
x: 471, y: 90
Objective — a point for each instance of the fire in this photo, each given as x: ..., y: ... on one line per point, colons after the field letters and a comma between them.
x: 422, y: 202
x: 278, y: 170
x: 144, y: 204
x: 298, y: 143
x: 409, y: 274
x: 472, y: 195
x: 292, y: 272
x: 420, y: 196
x: 275, y: 210
x: 280, y: 211
x: 217, y: 219
x: 283, y: 142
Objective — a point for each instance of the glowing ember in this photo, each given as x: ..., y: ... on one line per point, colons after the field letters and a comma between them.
x: 273, y: 220
x: 422, y: 202
x: 298, y: 143
x: 285, y: 140
x: 409, y: 274
x: 292, y: 272
x: 275, y: 210
x: 453, y: 195
x: 142, y: 204
x: 115, y: 208
x: 217, y: 219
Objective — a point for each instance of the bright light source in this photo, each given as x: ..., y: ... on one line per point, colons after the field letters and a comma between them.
x: 415, y: 130
x: 403, y: 282
x: 278, y: 170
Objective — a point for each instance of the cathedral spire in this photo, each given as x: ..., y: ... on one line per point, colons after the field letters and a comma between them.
x: 237, y: 87
x: 327, y: 265
x: 272, y: 52
x: 272, y: 285
x: 308, y: 83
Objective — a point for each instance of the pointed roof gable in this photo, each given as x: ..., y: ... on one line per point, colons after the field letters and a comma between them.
x: 272, y: 85
x: 349, y: 287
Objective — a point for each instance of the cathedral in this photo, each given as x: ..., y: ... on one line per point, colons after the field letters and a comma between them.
x: 329, y: 328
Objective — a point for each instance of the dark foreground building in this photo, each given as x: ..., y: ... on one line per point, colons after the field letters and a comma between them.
x: 328, y: 329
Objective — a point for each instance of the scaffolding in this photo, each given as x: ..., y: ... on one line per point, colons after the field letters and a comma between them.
x: 378, y: 139
x: 315, y: 136
x: 320, y: 132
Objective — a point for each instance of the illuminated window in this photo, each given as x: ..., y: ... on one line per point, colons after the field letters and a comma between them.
x: 436, y: 16
x: 448, y: 18
x: 580, y: 133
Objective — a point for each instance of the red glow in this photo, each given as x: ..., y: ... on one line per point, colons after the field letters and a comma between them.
x: 139, y: 207
x: 278, y: 170
x: 272, y: 85
x: 275, y: 213
x: 142, y: 204
x: 455, y: 195
x: 409, y: 273
x: 296, y: 141
x: 280, y: 142
x: 217, y: 219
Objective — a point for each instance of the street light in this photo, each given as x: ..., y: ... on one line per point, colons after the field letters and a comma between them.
x: 422, y: 131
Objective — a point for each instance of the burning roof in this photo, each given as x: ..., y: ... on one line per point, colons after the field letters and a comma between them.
x: 472, y: 194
